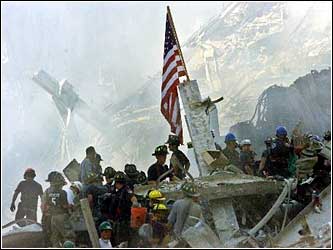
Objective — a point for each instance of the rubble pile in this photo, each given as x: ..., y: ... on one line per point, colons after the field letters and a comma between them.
x: 307, y: 101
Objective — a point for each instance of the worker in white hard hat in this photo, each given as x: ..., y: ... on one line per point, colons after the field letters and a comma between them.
x: 247, y: 156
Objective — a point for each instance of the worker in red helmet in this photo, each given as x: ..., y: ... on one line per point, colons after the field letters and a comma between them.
x: 30, y: 190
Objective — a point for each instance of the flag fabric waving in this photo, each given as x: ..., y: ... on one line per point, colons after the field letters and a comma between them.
x: 173, y: 68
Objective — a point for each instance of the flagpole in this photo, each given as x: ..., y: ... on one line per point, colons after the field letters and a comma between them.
x: 177, y: 41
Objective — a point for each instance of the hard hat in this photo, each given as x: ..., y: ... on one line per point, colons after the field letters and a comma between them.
x: 119, y: 177
x: 77, y: 185
x: 161, y: 150
x: 190, y: 189
x: 99, y: 157
x: 59, y: 178
x: 159, y: 207
x: 142, y: 178
x: 245, y: 142
x: 281, y: 131
x: 109, y: 172
x: 130, y: 170
x: 173, y: 140
x: 69, y: 244
x: 230, y: 137
x: 105, y: 226
x: 156, y: 195
x: 56, y: 177
x: 51, y: 175
x: 316, y: 138
x: 29, y: 171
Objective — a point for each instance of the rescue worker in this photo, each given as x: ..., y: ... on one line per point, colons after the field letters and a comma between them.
x: 327, y: 137
x: 98, y: 168
x: 95, y: 192
x: 187, y: 211
x: 105, y: 230
x: 76, y: 216
x: 30, y: 190
x: 119, y: 204
x: 146, y: 236
x: 247, y: 157
x: 87, y: 167
x: 152, y: 198
x: 55, y: 205
x: 142, y: 178
x: 76, y: 189
x: 46, y: 217
x: 230, y: 150
x: 131, y: 175
x: 178, y: 162
x: 109, y: 173
x: 155, y: 197
x: 159, y: 225
x: 275, y: 158
x: 322, y: 168
x: 159, y: 167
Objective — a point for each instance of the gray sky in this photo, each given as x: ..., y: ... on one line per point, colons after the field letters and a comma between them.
x: 137, y: 28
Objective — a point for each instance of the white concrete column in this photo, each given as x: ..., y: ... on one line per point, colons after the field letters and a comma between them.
x: 197, y: 121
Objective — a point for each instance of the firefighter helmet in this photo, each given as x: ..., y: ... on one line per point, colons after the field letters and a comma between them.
x: 161, y: 150
x: 29, y: 171
x: 155, y: 195
x: 119, y: 177
x: 56, y: 178
x: 190, y: 189
x: 160, y: 207
x: 142, y: 178
x: 173, y: 140
x: 109, y: 172
x: 130, y: 170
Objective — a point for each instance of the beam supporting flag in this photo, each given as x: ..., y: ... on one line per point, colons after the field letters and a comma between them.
x: 173, y: 68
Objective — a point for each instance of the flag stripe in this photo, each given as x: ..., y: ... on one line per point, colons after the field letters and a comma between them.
x: 173, y: 68
x: 170, y: 83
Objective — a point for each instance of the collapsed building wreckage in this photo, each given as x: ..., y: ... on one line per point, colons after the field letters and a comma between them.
x: 306, y: 101
x: 239, y: 210
x: 229, y: 197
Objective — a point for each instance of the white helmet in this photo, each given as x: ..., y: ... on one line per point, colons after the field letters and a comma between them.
x: 77, y: 185
x: 245, y: 142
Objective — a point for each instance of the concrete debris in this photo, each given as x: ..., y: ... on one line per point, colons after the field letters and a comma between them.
x: 306, y: 100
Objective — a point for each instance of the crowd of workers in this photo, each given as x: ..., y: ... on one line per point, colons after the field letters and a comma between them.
x: 112, y: 203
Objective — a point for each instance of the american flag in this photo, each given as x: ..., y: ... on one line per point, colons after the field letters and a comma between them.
x: 173, y: 68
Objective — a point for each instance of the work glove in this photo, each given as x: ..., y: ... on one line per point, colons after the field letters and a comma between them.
x: 12, y: 207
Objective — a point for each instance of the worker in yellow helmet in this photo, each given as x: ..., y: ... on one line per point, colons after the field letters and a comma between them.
x: 159, y: 224
x: 155, y: 197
